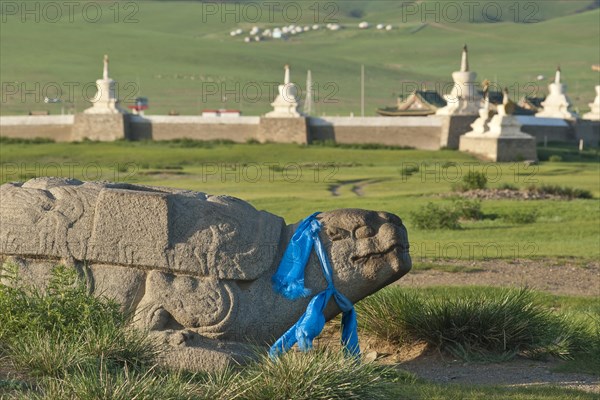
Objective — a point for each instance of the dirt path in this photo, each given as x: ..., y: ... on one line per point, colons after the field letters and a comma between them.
x: 556, y: 276
x: 515, y: 373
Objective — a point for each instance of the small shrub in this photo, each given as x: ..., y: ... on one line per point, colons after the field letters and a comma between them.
x: 471, y: 181
x: 432, y: 216
x: 409, y: 170
x: 508, y: 186
x: 555, y: 158
x: 468, y: 209
x: 521, y: 217
x: 475, y: 180
x: 478, y: 324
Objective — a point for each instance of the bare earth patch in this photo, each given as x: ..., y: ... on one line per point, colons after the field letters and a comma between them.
x: 519, y: 372
x: 443, y: 369
x: 556, y: 276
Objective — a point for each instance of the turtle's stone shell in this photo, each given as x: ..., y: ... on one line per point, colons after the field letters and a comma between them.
x: 145, y: 227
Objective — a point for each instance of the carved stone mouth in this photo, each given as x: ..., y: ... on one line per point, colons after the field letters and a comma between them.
x: 375, y: 256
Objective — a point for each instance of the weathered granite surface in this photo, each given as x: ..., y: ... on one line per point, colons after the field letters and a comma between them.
x: 195, y: 268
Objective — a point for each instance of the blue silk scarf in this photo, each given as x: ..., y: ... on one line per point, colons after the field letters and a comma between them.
x: 289, y: 281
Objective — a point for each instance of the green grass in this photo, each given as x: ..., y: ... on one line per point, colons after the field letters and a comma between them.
x: 48, y: 364
x: 294, y: 181
x: 481, y: 323
x: 175, y: 61
x: 52, y: 332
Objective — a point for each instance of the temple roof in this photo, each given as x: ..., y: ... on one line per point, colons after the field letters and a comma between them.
x: 427, y: 102
x: 419, y: 103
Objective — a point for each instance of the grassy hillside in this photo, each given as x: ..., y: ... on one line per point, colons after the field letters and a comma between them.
x: 180, y: 54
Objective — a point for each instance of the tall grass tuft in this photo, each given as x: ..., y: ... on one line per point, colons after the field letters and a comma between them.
x: 53, y: 331
x: 478, y: 324
x: 94, y: 382
x: 319, y: 374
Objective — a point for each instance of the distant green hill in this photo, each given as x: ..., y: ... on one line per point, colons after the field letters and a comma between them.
x: 181, y: 56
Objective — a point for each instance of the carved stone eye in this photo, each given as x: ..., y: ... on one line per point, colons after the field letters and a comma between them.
x: 336, y: 233
x: 364, y: 232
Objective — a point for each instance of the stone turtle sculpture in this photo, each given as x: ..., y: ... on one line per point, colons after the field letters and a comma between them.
x: 195, y: 268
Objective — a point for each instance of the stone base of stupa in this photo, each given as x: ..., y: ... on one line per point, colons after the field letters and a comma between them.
x: 109, y: 108
x: 283, y: 130
x: 453, y: 127
x: 588, y: 131
x: 499, y: 149
x: 101, y: 127
x: 502, y: 142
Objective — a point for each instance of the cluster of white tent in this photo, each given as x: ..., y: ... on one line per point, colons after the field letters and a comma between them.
x: 366, y: 25
x: 257, y: 34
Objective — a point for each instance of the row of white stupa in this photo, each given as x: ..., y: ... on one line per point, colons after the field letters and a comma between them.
x: 465, y: 99
x: 106, y: 102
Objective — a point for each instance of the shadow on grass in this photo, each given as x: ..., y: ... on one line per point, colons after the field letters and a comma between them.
x: 567, y: 152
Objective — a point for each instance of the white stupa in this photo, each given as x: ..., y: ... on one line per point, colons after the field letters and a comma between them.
x: 505, y: 124
x: 105, y: 100
x: 594, y: 115
x: 499, y: 139
x: 464, y: 98
x: 286, y: 103
x: 480, y: 125
x: 557, y: 104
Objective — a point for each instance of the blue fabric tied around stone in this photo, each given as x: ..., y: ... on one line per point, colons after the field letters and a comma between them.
x: 289, y: 281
